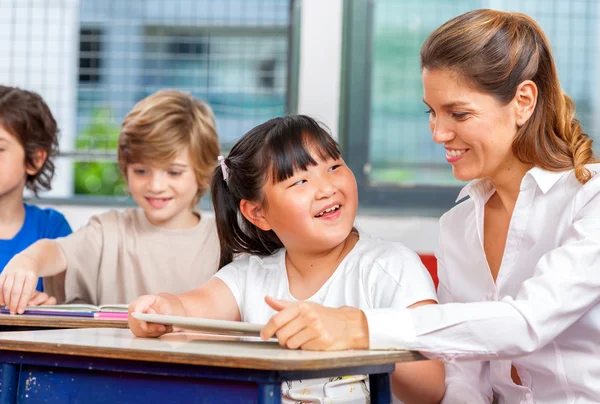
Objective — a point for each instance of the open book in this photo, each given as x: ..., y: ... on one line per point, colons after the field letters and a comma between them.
x: 113, y: 308
x: 106, y: 311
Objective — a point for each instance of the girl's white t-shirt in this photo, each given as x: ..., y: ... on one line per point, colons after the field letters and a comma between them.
x: 374, y: 274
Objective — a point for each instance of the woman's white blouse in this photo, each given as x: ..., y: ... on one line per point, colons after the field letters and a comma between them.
x: 542, y: 314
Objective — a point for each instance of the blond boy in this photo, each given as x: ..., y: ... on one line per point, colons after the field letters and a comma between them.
x: 168, y: 148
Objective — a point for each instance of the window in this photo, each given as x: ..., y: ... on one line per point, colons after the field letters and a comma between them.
x: 93, y: 60
x: 386, y: 131
x: 224, y: 68
x: 90, y: 50
x: 214, y: 51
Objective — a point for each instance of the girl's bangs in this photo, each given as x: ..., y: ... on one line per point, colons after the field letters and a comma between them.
x: 293, y: 146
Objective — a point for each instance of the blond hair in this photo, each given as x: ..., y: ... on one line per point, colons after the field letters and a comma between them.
x: 163, y: 124
x: 496, y: 51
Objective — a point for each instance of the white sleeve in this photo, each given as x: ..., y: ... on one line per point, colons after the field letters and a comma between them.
x: 399, y: 279
x: 565, y: 285
x: 234, y: 276
x: 466, y: 382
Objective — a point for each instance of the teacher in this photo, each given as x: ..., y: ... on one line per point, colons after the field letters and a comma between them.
x: 519, y: 261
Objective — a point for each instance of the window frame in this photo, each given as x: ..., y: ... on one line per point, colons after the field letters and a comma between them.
x: 355, y: 104
x: 292, y: 35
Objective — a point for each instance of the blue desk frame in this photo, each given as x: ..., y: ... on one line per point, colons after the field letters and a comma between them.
x: 29, y: 377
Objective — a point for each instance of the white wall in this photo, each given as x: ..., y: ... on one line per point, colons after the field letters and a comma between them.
x: 320, y: 61
x: 39, y: 52
x: 418, y: 233
x: 596, y: 77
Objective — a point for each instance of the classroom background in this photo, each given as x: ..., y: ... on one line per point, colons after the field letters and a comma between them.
x: 353, y: 64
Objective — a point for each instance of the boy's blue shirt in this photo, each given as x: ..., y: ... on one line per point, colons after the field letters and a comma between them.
x: 39, y: 223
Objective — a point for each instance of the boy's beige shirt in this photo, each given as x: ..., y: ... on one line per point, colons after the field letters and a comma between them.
x: 119, y: 256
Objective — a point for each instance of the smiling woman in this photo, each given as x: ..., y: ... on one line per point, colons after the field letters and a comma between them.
x: 518, y: 261
x: 476, y: 129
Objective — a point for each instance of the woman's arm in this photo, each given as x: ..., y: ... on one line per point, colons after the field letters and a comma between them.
x: 564, y: 287
x: 421, y: 382
x: 466, y: 382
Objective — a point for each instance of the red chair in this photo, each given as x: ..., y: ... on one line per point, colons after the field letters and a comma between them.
x: 431, y: 264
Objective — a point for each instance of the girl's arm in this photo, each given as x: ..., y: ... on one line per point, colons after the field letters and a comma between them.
x: 212, y: 300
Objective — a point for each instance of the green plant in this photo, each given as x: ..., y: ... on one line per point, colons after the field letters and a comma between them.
x: 98, y: 177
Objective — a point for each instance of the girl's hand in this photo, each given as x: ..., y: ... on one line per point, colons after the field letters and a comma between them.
x: 314, y: 327
x: 17, y: 283
x: 41, y: 299
x: 151, y: 304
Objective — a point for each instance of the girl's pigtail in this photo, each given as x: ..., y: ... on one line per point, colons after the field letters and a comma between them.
x: 226, y: 216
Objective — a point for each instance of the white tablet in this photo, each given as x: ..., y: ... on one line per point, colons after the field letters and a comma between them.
x: 202, y: 324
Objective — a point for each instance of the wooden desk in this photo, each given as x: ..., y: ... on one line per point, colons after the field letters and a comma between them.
x: 10, y: 322
x: 112, y: 366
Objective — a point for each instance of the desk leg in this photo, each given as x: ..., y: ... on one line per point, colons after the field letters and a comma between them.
x: 269, y: 393
x: 9, y: 383
x: 381, y: 389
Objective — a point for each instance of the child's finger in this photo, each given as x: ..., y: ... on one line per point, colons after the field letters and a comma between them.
x: 29, y: 285
x: 2, y: 281
x: 141, y: 304
x: 162, y: 306
x: 285, y: 333
x: 152, y: 330
x: 305, y: 339
x: 160, y: 329
x: 143, y: 325
x: 279, y: 320
x: 16, y: 292
x: 8, y: 283
x: 157, y: 328
x: 148, y: 303
x: 37, y: 299
x: 276, y: 304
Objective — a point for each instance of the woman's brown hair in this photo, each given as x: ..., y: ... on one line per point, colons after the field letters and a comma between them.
x: 496, y: 51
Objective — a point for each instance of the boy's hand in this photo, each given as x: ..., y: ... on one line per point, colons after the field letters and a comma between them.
x: 151, y: 304
x: 41, y: 299
x: 311, y: 326
x: 17, y: 283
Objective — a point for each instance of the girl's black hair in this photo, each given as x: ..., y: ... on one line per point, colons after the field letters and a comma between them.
x: 274, y: 149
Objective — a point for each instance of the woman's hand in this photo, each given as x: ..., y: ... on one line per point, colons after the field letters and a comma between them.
x: 151, y: 304
x: 311, y: 326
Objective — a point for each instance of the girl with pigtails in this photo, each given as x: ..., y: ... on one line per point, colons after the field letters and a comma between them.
x: 285, y: 204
